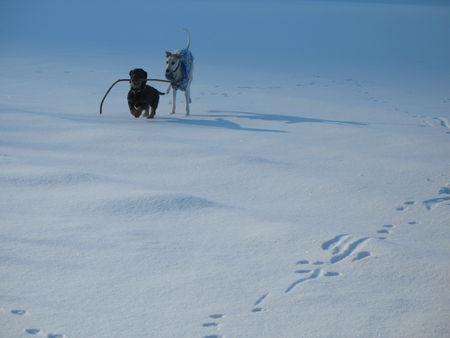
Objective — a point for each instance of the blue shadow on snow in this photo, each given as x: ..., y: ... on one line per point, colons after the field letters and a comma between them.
x: 289, y: 119
x: 220, y: 123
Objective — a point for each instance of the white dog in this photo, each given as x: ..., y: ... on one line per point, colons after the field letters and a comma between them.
x: 180, y: 66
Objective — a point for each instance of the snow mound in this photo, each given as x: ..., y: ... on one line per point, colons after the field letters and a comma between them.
x: 149, y: 203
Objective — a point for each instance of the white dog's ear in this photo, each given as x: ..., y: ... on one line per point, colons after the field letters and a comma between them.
x: 178, y: 56
x: 168, y: 54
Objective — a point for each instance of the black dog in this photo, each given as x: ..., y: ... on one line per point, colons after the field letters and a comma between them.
x: 142, y: 96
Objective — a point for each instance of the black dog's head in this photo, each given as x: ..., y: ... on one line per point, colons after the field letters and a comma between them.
x: 138, y: 78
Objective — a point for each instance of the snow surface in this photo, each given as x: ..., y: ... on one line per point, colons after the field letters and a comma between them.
x: 307, y: 195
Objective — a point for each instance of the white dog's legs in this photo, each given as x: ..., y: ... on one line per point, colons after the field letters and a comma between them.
x: 188, y: 88
x: 187, y: 94
x: 174, y: 93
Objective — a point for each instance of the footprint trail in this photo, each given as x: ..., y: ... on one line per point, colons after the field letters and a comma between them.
x: 342, y: 248
x: 213, y: 324
x: 352, y: 247
x: 434, y: 202
x: 256, y: 307
x: 315, y: 274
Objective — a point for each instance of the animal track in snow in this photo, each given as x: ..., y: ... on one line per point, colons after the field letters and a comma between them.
x: 343, y: 246
x: 34, y: 331
x: 444, y: 190
x: 405, y: 205
x: 18, y: 312
x: 328, y: 244
x: 302, y: 262
x: 438, y: 122
x: 430, y: 204
x: 434, y: 202
x: 338, y: 245
x: 349, y: 250
x: 331, y: 274
x: 216, y: 316
x: 387, y: 228
x: 315, y: 274
x: 361, y: 255
x: 213, y: 324
x: 383, y: 231
x: 340, y: 248
x: 257, y: 308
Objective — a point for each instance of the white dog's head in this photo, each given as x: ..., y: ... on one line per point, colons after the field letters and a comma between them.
x: 173, y: 69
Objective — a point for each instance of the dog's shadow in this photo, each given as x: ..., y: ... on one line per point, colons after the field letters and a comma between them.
x: 288, y: 119
x: 220, y: 123
x: 222, y: 120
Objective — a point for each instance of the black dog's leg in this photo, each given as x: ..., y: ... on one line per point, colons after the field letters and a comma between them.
x: 132, y: 110
x: 152, y: 115
x: 146, y: 114
x: 138, y: 112
x: 154, y: 106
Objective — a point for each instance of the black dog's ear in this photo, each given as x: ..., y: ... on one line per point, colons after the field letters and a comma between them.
x: 146, y: 75
x: 131, y: 72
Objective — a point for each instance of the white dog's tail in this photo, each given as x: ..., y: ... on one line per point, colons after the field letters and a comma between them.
x: 189, y: 38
